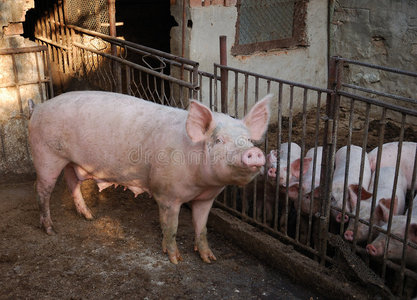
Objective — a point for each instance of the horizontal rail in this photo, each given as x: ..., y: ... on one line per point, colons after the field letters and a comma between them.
x: 297, y: 84
x: 9, y: 51
x: 362, y: 89
x: 380, y: 103
x: 20, y: 83
x: 49, y: 41
x: 139, y: 67
x: 133, y: 45
x: 388, y: 69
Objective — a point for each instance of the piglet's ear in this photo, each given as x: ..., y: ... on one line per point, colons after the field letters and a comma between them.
x: 199, y: 121
x: 258, y: 117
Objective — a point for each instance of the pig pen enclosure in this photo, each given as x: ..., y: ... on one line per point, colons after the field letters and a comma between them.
x: 347, y: 113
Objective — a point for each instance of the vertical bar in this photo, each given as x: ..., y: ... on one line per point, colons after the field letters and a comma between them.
x: 329, y: 149
x: 116, y: 65
x: 39, y: 75
x: 58, y: 38
x: 279, y: 133
x: 365, y: 142
x: 128, y: 89
x: 223, y: 74
x: 16, y: 81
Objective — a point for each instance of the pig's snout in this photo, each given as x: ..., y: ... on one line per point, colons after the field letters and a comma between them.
x: 349, y: 235
x: 371, y: 250
x: 253, y: 158
x: 272, y: 172
x: 339, y: 218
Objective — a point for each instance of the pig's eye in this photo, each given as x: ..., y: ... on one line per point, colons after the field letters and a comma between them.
x: 219, y: 141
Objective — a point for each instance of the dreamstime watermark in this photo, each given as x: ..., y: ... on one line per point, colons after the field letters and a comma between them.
x: 171, y: 156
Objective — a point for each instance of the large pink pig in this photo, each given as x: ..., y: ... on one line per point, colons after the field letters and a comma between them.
x: 352, y: 180
x: 383, y: 202
x: 175, y: 155
x: 395, y: 247
x: 389, y: 158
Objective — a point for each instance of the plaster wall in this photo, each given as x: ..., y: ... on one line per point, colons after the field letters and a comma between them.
x: 303, y: 64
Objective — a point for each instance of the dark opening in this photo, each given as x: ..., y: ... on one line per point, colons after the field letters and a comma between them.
x: 146, y: 22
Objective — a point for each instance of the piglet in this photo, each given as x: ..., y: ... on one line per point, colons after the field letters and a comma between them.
x: 294, y: 152
x: 311, y: 185
x: 389, y: 158
x: 352, y: 180
x: 383, y: 202
x: 178, y: 156
x: 395, y: 247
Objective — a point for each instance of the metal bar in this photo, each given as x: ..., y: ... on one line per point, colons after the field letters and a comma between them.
x: 8, y: 51
x: 110, y: 39
x: 136, y: 66
x: 380, y: 103
x: 393, y: 70
x: 223, y: 75
x: 362, y: 89
x: 26, y: 82
x: 16, y: 81
x: 51, y: 42
x: 297, y: 84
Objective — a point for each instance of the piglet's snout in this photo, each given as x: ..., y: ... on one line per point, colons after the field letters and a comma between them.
x: 253, y: 157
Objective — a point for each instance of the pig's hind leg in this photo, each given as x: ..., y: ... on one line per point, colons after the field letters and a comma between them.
x: 74, y: 185
x: 47, y: 170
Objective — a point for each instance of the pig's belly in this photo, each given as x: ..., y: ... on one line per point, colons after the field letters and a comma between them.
x: 106, y: 180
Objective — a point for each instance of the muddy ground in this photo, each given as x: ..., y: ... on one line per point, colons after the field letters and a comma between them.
x: 118, y: 255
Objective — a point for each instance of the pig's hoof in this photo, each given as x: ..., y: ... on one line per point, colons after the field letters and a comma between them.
x: 206, y: 255
x: 49, y: 230
x: 174, y: 257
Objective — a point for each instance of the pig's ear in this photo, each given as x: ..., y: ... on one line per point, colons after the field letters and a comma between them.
x: 199, y: 121
x: 258, y: 117
x: 382, y: 212
x: 353, y: 190
x: 387, y: 203
x: 293, y: 191
x: 412, y: 232
x: 296, y: 166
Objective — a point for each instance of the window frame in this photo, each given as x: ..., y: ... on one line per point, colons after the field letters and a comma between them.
x: 298, y: 39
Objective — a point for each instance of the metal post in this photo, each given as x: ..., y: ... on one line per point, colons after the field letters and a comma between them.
x: 223, y: 74
x: 329, y: 149
x: 116, y: 66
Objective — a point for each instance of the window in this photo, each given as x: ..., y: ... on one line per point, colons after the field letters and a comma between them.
x: 269, y: 24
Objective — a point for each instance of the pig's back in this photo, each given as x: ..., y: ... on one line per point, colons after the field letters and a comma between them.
x: 105, y: 129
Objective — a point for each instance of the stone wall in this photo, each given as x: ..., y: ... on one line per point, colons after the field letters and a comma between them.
x: 15, y: 161
x: 381, y: 32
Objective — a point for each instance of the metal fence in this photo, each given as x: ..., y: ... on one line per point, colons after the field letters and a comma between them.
x: 341, y: 115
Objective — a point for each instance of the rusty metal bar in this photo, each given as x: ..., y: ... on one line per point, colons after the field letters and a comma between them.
x: 224, y: 74
x: 136, y: 66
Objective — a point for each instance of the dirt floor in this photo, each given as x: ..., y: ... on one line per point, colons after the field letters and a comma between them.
x: 118, y: 255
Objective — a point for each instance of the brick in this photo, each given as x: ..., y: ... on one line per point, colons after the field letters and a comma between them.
x: 230, y: 2
x: 207, y: 2
x: 195, y: 3
x: 13, y: 29
x: 217, y: 2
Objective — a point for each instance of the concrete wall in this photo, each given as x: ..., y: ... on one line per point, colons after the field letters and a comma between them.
x: 304, y: 64
x: 15, y: 159
x: 382, y: 32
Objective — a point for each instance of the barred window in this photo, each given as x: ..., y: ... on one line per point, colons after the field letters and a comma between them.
x: 269, y: 24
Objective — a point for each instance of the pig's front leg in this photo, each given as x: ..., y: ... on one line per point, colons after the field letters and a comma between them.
x: 168, y: 216
x: 200, y: 212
